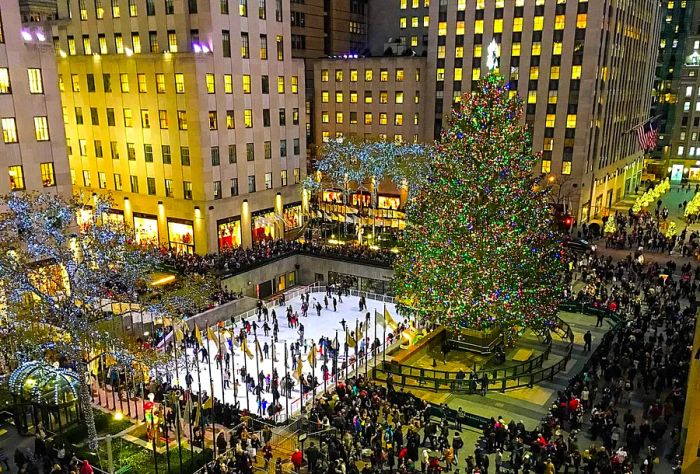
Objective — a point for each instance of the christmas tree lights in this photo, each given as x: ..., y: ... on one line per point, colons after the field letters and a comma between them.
x: 480, y: 251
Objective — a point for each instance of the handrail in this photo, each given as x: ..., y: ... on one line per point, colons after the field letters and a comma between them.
x: 501, y: 382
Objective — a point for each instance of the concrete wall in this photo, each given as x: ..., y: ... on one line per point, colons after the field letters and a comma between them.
x: 306, y: 268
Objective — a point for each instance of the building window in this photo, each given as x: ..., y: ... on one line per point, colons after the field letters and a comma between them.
x: 165, y: 151
x: 119, y: 43
x: 232, y: 158
x: 268, y: 180
x: 114, y: 150
x: 172, y: 41
x: 151, y: 185
x: 283, y: 148
x: 128, y: 118
x: 263, y: 47
x: 185, y: 155
x: 297, y: 175
x: 145, y: 119
x: 148, y: 152
x: 48, y: 176
x: 102, y: 42
x: 168, y: 188
x: 134, y: 183
x: 179, y: 83
x: 251, y: 184
x: 141, y: 83
x: 124, y: 82
x: 248, y: 118
x: 566, y: 167
x: 213, y: 125
x: 217, y: 189
x: 399, y: 75
x: 187, y: 190
x: 230, y: 121
x: 41, y: 128
x: 5, y: 87
x: 98, y: 148
x: 116, y: 12
x: 280, y: 47
x: 215, y: 159
x: 243, y: 8
x: 228, y: 84
x: 131, y: 151
x: 181, y: 120
x: 9, y: 130
x: 250, y: 152
x: 82, y: 145
x: 223, y: 7
x: 163, y: 119
x: 245, y: 46
x: 153, y: 42
x: 78, y: 115
x: 117, y: 182
x: 75, y: 82
x: 86, y: 178
x: 295, y: 84
x: 36, y: 85
x: 107, y: 82
x: 234, y: 186
x: 283, y: 178
x: 16, y: 178
x: 280, y: 84
x: 383, y: 75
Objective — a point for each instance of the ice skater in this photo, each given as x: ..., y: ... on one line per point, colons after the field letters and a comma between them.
x: 335, y: 304
x: 318, y: 309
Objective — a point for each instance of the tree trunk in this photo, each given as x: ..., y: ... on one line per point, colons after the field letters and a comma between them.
x: 86, y: 406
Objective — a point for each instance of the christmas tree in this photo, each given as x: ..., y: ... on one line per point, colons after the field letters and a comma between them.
x: 480, y: 251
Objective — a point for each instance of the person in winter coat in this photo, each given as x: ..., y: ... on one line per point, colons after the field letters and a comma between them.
x: 297, y: 460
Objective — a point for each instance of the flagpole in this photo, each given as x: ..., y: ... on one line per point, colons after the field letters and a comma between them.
x: 376, y: 348
x: 384, y: 342
x: 364, y: 338
x: 301, y: 384
x: 286, y: 380
x: 221, y: 364
x: 233, y: 367
x: 177, y: 374
x: 346, y: 356
x: 245, y: 369
x: 189, y: 400
x: 258, y: 355
x: 325, y: 364
x: 357, y: 343
x: 313, y: 372
x: 211, y: 387
x: 199, y: 387
x: 336, y: 349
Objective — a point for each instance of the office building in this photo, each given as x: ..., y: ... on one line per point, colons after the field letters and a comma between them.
x: 682, y: 103
x: 399, y: 28
x: 33, y: 144
x: 189, y: 113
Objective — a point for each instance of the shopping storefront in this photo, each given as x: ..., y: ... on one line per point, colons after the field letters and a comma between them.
x: 114, y: 218
x: 263, y: 225
x: 145, y: 229
x: 292, y: 216
x: 229, y: 232
x: 181, y: 235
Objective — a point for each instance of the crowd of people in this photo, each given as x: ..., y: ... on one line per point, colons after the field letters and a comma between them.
x: 239, y: 259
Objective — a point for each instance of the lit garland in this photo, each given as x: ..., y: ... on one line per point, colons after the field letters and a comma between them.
x: 480, y: 251
x: 650, y: 196
x: 610, y: 226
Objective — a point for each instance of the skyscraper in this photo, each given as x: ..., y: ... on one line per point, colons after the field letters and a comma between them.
x: 33, y: 143
x: 190, y: 113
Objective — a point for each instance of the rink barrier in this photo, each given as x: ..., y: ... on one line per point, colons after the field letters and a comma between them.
x: 522, y: 375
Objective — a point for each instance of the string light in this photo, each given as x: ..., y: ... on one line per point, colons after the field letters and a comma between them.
x: 480, y: 250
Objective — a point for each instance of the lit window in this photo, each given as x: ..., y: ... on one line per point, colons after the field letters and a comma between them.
x: 546, y: 166
x: 571, y: 121
x: 228, y: 83
x: 325, y: 118
x: 476, y: 74
x: 459, y: 51
x: 398, y: 119
x: 383, y: 118
x: 517, y: 24
x: 402, y: 22
x: 353, y: 75
x: 163, y: 119
x: 324, y: 75
x: 339, y: 97
x: 246, y: 84
x: 172, y: 41
x: 551, y: 119
x: 398, y: 97
x: 41, y: 129
x: 556, y: 48
x: 369, y: 74
x: 575, y: 72
x: 566, y: 167
x: 141, y: 81
x: 48, y: 177
x: 213, y: 122
x: 368, y: 118
x: 531, y: 97
x: 581, y: 20
x: 426, y: 21
x: 554, y: 72
x: 248, y: 118
x: 383, y: 97
x: 295, y: 84
x: 180, y: 83
x: 280, y: 84
x: 538, y: 23
x: 36, y: 85
x: 5, y: 87
x: 324, y: 97
x: 75, y: 82
x: 124, y: 81
x: 399, y: 75
x: 368, y: 97
x: 442, y: 28
x: 338, y: 75
x: 16, y: 178
x: 160, y: 83
x: 339, y: 117
x: 479, y: 27
x: 414, y: 22
x: 128, y: 118
x: 534, y: 72
x: 353, y: 97
x: 181, y: 120
x: 559, y: 22
x: 383, y: 75
x: 211, y: 85
x: 136, y: 42
x: 9, y: 130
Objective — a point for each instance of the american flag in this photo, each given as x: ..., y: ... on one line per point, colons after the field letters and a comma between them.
x: 647, y: 134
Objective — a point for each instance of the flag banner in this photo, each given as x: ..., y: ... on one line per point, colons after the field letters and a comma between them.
x: 258, y: 350
x: 647, y: 135
x: 211, y: 334
x: 198, y: 335
x: 298, y: 371
x: 349, y: 339
x: 389, y: 320
x: 312, y: 355
x: 379, y: 318
x: 246, y: 349
x: 179, y: 335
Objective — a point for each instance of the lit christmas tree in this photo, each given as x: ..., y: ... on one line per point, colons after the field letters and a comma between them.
x: 480, y: 251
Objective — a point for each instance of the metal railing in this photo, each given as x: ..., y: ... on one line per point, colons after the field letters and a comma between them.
x: 521, y: 375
